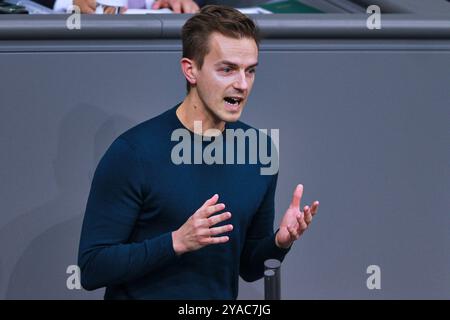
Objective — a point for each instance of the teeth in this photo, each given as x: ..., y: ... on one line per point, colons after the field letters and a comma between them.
x: 232, y: 101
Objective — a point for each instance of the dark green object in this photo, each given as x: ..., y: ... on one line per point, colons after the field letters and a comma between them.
x: 289, y: 6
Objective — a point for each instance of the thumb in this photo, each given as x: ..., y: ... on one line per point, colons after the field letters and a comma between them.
x: 297, y: 196
x: 156, y: 5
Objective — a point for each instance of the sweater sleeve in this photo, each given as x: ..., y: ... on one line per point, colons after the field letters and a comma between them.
x: 260, y: 239
x: 105, y: 255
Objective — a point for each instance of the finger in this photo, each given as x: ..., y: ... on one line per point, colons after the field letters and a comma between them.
x: 92, y: 4
x: 218, y: 230
x: 297, y: 196
x: 193, y: 8
x: 293, y: 233
x: 303, y: 226
x: 211, y: 210
x: 314, y: 207
x: 188, y: 7
x: 87, y: 10
x: 215, y: 240
x: 176, y: 6
x: 218, y: 218
x: 123, y: 9
x: 308, y: 215
x: 109, y: 10
x: 210, y: 202
x: 160, y: 4
x: 301, y: 223
x: 185, y: 7
x: 156, y: 5
x: 85, y: 6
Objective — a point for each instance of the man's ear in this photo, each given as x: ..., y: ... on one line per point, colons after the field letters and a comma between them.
x: 189, y: 69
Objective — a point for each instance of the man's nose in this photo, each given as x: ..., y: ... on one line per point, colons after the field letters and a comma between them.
x: 241, y: 82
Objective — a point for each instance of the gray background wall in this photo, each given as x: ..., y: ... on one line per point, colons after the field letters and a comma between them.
x: 364, y: 125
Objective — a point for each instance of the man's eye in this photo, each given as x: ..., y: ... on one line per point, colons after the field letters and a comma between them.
x: 251, y: 71
x: 226, y: 70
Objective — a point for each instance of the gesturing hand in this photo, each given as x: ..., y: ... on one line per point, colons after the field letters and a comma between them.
x: 295, y: 222
x: 197, y: 231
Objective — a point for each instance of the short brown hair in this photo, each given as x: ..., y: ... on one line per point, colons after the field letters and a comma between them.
x: 214, y: 18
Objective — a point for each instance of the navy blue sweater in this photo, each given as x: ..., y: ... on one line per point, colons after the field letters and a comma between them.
x: 139, y: 197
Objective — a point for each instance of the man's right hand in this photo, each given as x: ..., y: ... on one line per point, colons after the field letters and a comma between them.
x: 86, y: 6
x: 197, y: 231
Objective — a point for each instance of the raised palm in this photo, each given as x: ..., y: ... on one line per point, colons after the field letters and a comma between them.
x: 294, y: 221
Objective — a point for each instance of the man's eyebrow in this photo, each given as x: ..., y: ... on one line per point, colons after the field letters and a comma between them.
x: 232, y: 64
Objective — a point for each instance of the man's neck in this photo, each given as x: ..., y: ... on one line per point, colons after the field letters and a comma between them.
x: 192, y: 109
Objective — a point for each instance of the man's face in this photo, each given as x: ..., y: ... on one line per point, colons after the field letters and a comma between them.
x: 226, y: 77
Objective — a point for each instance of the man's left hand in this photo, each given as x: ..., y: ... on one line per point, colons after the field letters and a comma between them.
x: 295, y: 222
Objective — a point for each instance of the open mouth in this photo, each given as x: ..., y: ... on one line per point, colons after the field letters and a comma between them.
x: 233, y: 101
